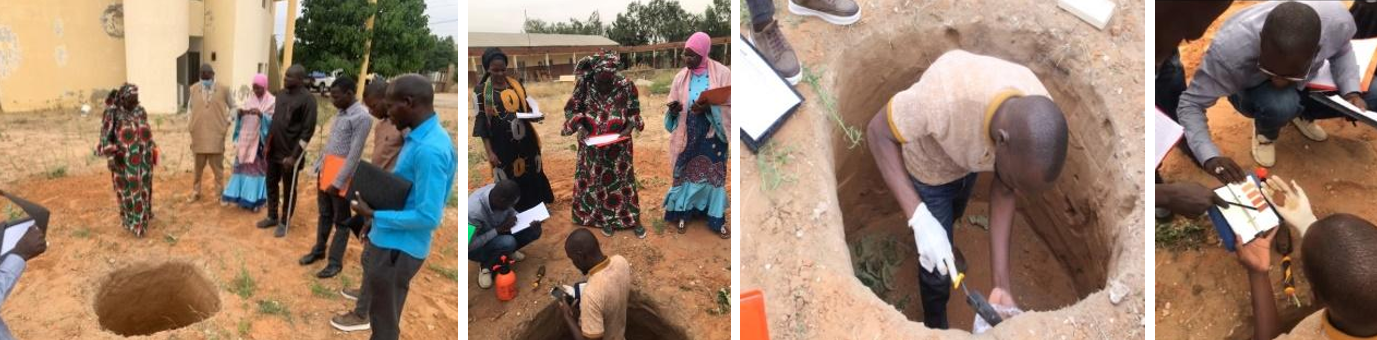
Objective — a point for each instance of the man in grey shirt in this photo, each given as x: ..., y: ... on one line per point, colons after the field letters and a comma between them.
x: 33, y: 243
x: 348, y: 133
x: 492, y: 216
x: 1262, y: 58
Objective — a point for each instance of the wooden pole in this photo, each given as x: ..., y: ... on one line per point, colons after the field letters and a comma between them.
x: 367, y: 47
x: 290, y: 39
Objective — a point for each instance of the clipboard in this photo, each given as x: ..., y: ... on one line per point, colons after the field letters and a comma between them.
x: 329, y: 170
x: 1233, y: 222
x: 717, y: 96
x: 604, y: 140
x: 13, y: 232
x: 1343, y: 106
x: 757, y: 129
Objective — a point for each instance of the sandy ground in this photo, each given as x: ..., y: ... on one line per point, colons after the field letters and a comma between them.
x: 47, y: 162
x: 1336, y: 174
x: 800, y: 234
x: 682, y: 273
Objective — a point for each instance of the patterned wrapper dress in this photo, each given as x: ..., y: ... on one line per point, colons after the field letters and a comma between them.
x: 604, y: 176
x: 127, y: 142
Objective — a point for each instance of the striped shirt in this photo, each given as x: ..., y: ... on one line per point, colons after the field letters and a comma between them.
x: 348, y: 133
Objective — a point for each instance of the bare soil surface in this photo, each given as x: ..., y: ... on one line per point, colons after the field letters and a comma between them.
x: 1077, y: 253
x: 679, y: 275
x: 48, y: 162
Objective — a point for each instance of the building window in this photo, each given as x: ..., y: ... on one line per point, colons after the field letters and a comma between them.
x: 212, y: 56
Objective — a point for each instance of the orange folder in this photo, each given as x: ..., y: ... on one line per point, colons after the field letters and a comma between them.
x: 329, y: 170
x: 717, y: 96
x: 754, y: 325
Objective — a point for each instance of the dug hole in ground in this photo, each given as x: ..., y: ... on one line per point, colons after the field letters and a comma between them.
x: 821, y: 217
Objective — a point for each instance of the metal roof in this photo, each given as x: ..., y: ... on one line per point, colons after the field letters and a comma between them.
x: 487, y: 39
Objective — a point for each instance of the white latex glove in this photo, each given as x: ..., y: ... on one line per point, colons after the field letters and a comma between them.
x: 934, y: 251
x: 1291, y: 202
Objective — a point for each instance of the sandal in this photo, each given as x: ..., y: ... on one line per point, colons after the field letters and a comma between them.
x: 726, y: 233
x: 682, y: 229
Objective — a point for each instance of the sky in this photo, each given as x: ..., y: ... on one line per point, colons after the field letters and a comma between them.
x: 506, y: 16
x: 444, y: 18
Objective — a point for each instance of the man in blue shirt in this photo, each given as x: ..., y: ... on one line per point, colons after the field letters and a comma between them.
x: 398, y: 240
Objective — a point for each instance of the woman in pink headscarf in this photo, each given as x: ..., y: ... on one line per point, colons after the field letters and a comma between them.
x: 699, y: 133
x: 247, y: 187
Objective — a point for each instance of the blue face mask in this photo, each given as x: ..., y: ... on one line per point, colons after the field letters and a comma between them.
x: 207, y: 83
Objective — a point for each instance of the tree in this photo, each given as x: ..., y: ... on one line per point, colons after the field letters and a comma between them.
x: 445, y: 53
x: 330, y: 36
x: 591, y: 26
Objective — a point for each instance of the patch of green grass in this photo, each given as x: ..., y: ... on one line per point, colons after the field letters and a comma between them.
x: 170, y: 239
x: 82, y: 233
x: 57, y: 172
x: 660, y: 82
x: 453, y: 199
x: 659, y: 226
x: 1181, y: 234
x: 876, y: 260
x: 771, y: 162
x: 12, y: 212
x: 451, y: 274
x: 243, y: 283
x: 274, y: 307
x: 852, y: 133
x: 320, y: 291
x: 347, y: 281
x: 244, y: 325
x: 724, y: 302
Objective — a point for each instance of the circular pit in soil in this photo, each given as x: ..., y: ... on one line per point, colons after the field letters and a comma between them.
x: 144, y: 299
x: 1060, y: 246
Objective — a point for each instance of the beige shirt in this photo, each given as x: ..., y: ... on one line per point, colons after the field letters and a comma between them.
x: 387, y: 143
x: 942, y: 120
x: 602, y: 310
x: 210, y: 118
x: 1316, y: 326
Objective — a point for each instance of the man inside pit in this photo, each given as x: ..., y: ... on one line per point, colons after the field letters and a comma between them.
x: 991, y: 115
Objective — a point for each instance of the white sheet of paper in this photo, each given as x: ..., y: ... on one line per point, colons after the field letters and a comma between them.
x: 1341, y: 101
x: 601, y: 139
x: 524, y: 218
x: 13, y: 234
x: 1364, y: 49
x: 535, y: 111
x: 771, y: 97
x: 1247, y: 223
x: 1168, y: 133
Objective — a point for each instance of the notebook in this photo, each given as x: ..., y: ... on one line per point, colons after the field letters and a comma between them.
x: 772, y: 98
x: 329, y: 170
x: 535, y: 111
x: 717, y: 96
x: 524, y: 218
x: 1168, y: 133
x: 604, y: 140
x: 1247, y: 224
x: 12, y: 235
x: 1365, y: 50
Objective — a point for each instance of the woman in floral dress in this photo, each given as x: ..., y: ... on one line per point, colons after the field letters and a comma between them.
x: 605, y: 177
x: 126, y: 141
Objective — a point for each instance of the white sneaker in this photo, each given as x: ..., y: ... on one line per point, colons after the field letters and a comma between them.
x: 485, y: 278
x: 1264, y: 151
x: 518, y: 256
x: 1310, y: 129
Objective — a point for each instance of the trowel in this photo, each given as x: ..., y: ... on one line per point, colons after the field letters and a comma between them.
x: 982, y: 307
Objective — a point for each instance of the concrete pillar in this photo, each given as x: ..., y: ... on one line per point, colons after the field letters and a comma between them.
x: 151, y: 46
x: 367, y: 46
x: 290, y: 40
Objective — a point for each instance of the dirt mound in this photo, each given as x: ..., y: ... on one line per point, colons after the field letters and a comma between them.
x: 144, y: 298
x: 644, y: 320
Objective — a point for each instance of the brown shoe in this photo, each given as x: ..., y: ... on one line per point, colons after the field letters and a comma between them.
x: 838, y: 12
x: 348, y: 322
x: 776, y: 50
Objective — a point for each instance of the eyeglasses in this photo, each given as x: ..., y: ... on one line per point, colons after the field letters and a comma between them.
x: 1293, y: 79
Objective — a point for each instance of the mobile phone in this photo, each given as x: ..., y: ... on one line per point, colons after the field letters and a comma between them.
x: 560, y: 295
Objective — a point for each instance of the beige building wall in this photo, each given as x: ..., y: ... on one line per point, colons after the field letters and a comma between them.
x: 237, y: 35
x: 59, y: 53
x: 152, y: 45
